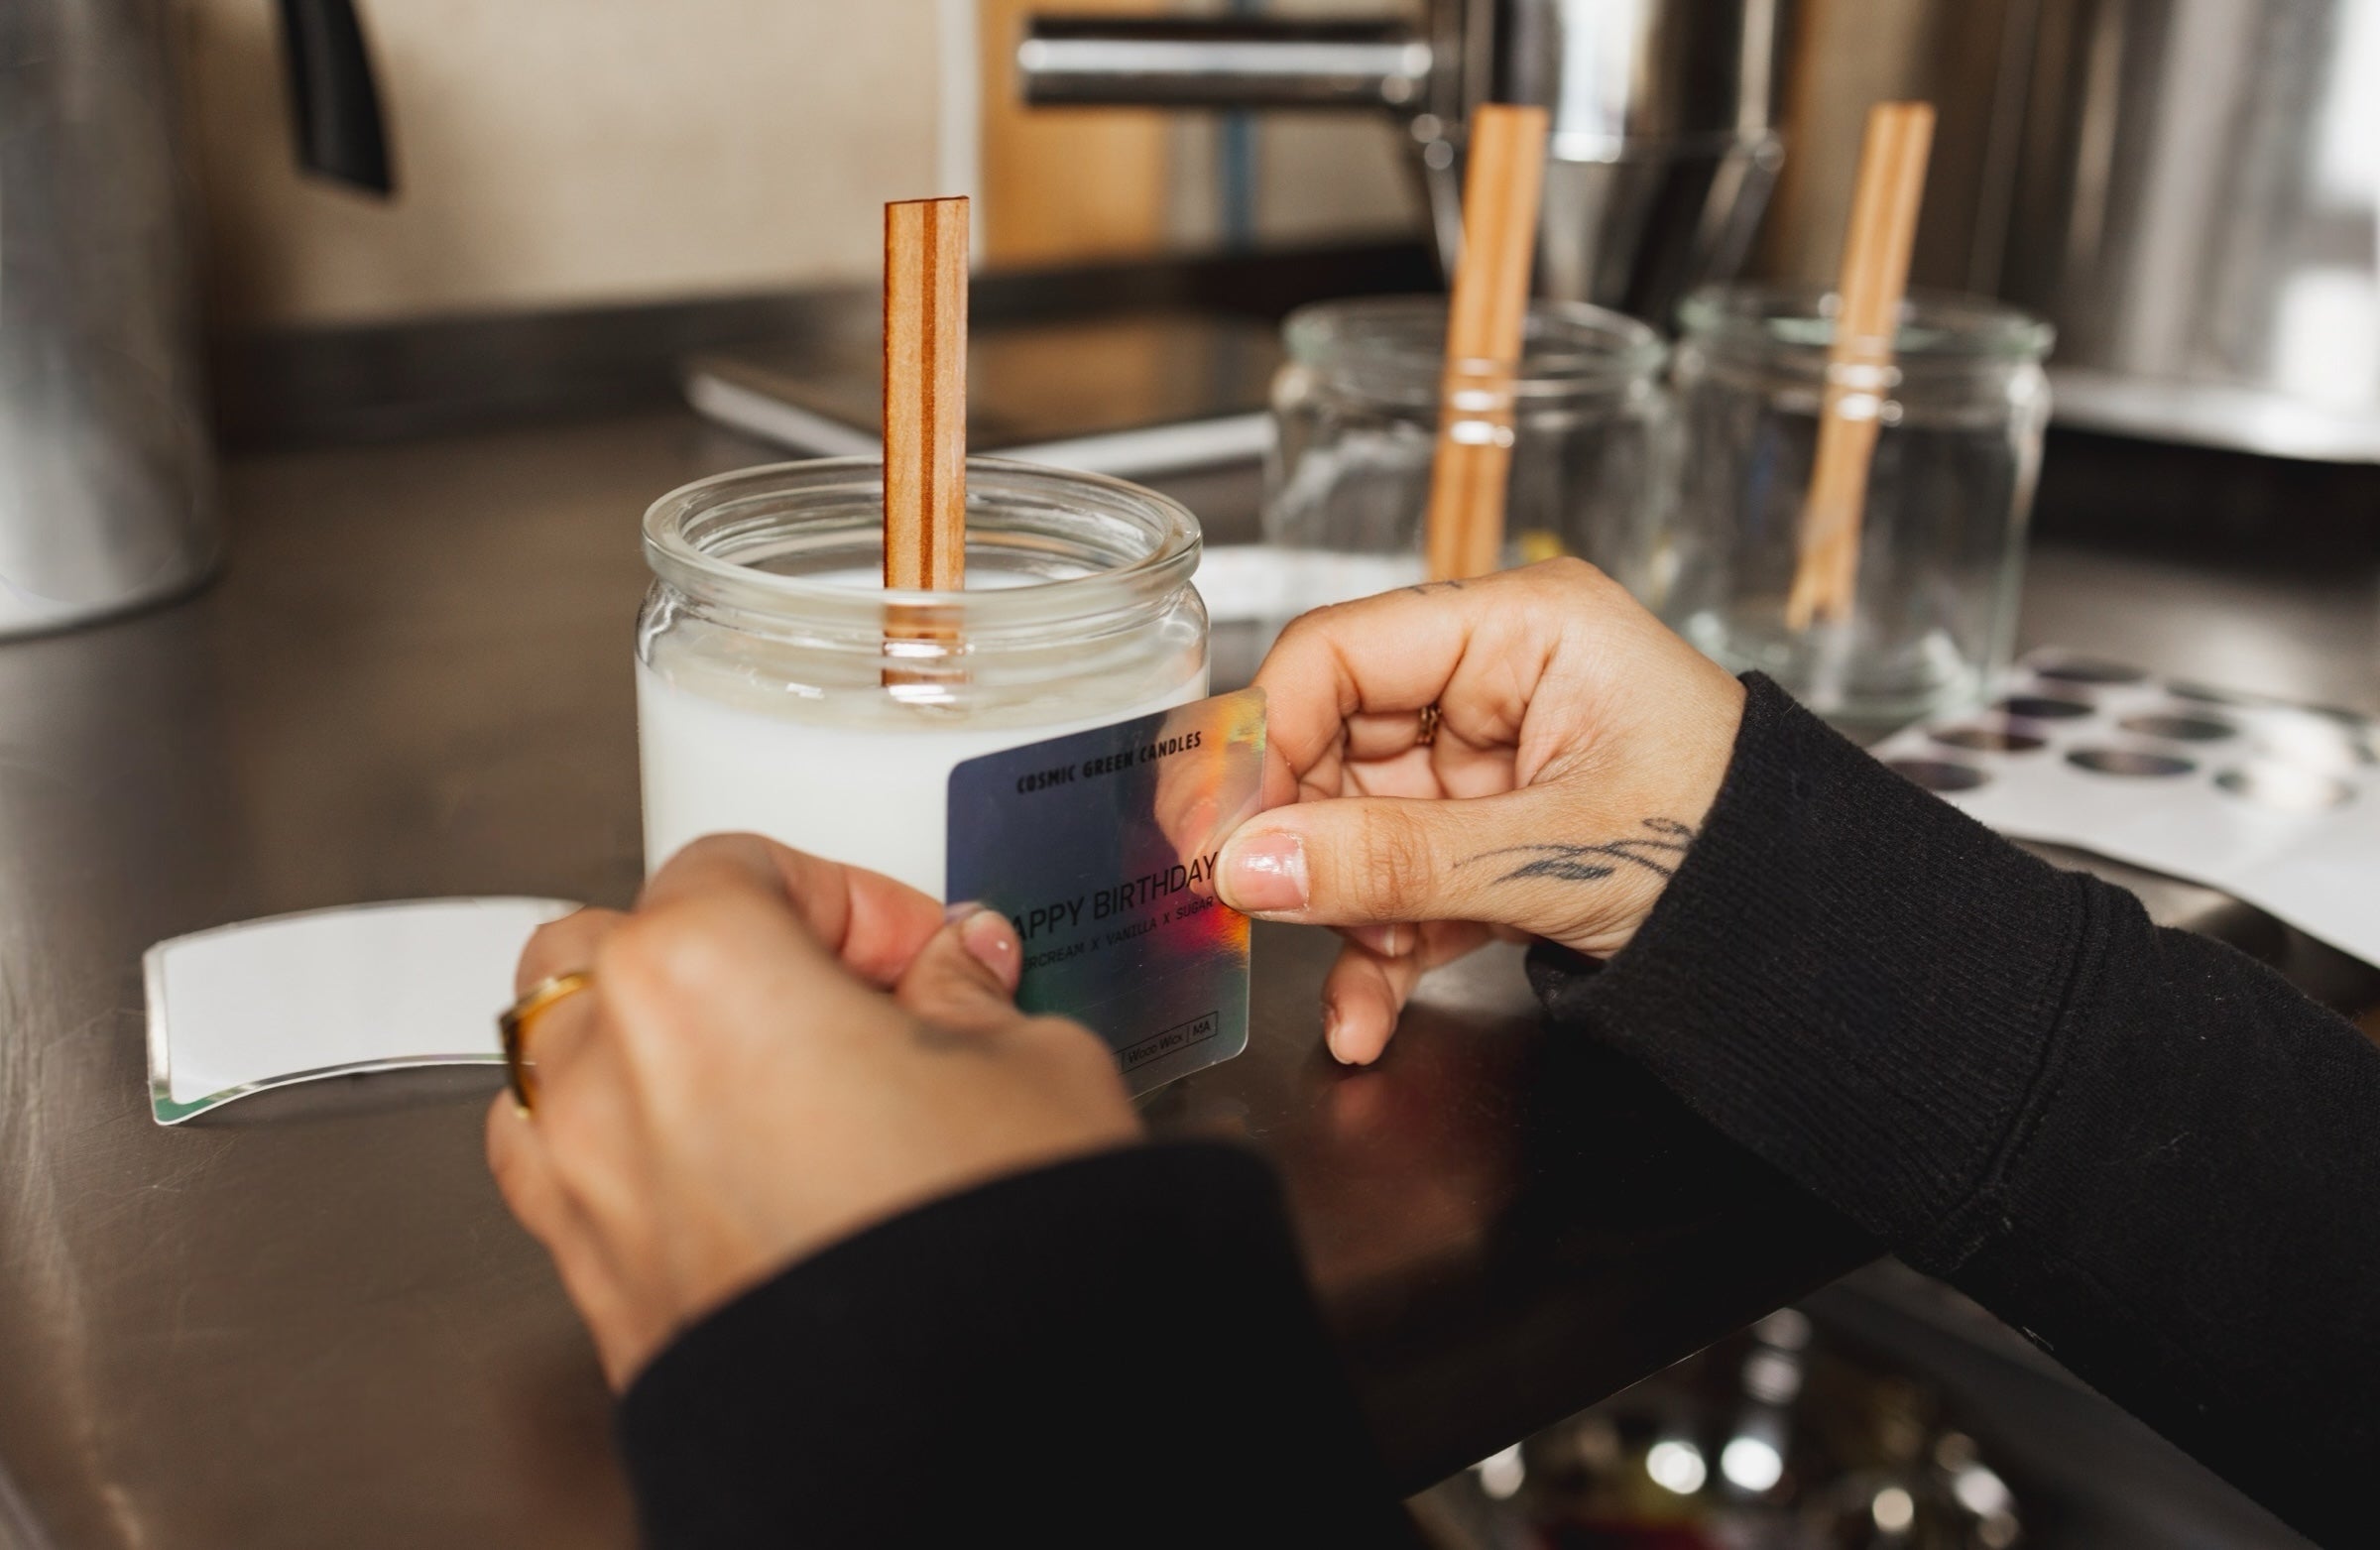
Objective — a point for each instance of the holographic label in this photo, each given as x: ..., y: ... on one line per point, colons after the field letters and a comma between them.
x: 1101, y: 847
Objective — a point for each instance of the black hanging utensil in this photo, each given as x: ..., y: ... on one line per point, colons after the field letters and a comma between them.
x: 335, y: 103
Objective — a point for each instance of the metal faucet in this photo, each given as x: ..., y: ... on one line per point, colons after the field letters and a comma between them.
x: 1664, y: 142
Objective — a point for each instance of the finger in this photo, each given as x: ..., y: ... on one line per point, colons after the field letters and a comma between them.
x: 965, y: 979
x: 1378, y: 734
x: 717, y: 967
x: 551, y: 1040
x: 1187, y: 810
x: 1366, y: 991
x: 563, y: 946
x: 1355, y: 861
x: 1391, y: 939
x: 525, y: 1177
x: 872, y: 923
x: 594, y: 1137
x: 1474, y: 649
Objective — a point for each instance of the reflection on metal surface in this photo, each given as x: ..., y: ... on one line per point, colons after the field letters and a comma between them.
x: 2209, y: 413
x: 1676, y: 1466
x: 2286, y: 787
x: 1079, y: 61
x: 2194, y: 206
x: 1751, y: 1464
x: 106, y: 498
x: 2129, y: 762
x: 1502, y: 1475
x: 1861, y: 1452
x: 2187, y: 188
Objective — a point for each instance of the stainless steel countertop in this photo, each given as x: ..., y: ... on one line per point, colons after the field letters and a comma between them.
x: 308, y: 1322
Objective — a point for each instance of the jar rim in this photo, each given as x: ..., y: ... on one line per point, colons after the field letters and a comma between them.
x: 1793, y: 317
x: 1566, y: 347
x: 691, y: 532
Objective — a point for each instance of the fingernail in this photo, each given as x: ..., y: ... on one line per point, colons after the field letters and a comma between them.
x: 1267, y: 872
x: 1389, y: 941
x: 991, y: 940
x: 1330, y: 1029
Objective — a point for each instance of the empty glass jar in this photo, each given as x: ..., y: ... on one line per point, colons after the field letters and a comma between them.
x: 1356, y: 413
x: 1959, y: 413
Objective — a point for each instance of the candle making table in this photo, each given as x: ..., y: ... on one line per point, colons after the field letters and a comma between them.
x: 309, y: 1322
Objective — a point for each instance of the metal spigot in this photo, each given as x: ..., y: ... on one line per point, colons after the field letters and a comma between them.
x: 1663, y: 145
x: 1110, y: 62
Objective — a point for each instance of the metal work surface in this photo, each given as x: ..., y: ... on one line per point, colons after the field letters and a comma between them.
x: 309, y: 1322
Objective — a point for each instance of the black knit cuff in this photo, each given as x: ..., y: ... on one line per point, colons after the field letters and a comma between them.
x: 1062, y: 1352
x: 1849, y: 976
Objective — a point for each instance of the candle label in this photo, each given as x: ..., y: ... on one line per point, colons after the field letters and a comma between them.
x: 1101, y: 847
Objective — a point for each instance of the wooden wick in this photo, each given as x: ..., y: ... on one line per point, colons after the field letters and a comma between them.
x: 925, y: 419
x: 925, y: 395
x: 1502, y: 179
x: 1874, y: 280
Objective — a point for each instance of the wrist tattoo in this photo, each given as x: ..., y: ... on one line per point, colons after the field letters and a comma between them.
x: 1659, y: 851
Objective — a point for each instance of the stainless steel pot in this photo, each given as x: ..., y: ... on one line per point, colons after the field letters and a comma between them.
x: 1664, y: 145
x: 105, y: 451
x: 2194, y: 206
x: 2186, y: 187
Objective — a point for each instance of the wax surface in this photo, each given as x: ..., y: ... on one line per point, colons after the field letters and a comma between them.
x: 873, y: 794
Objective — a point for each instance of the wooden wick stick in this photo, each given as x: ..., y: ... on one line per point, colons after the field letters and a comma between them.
x: 1874, y: 280
x: 1502, y: 179
x: 925, y: 395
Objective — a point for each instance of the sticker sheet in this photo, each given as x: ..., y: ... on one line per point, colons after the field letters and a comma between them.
x: 1101, y: 847
x: 2277, y: 804
x: 243, y: 1009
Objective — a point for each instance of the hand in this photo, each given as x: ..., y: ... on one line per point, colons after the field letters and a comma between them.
x: 1579, y: 748
x: 776, y: 1051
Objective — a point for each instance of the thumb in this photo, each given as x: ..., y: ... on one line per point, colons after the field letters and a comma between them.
x: 965, y: 977
x: 1358, y: 860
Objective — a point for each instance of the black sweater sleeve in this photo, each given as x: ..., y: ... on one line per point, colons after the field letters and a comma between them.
x: 2140, y: 1148
x: 1115, y: 1350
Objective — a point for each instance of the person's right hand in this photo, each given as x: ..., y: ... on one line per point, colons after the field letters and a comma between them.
x: 1578, y: 749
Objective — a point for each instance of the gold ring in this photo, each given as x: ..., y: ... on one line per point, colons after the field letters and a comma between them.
x: 1429, y: 726
x: 512, y: 1026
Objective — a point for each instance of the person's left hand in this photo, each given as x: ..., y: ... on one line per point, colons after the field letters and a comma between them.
x: 775, y: 1052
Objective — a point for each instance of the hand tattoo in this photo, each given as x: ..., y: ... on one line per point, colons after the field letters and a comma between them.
x: 1659, y: 852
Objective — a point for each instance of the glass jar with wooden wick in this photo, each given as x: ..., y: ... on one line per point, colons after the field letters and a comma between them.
x: 1958, y: 406
x: 782, y: 690
x: 1355, y: 413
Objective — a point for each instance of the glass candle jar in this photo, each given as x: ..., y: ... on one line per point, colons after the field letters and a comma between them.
x: 1356, y: 411
x: 1959, y: 413
x: 781, y: 689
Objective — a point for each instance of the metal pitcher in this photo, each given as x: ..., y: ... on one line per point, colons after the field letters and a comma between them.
x: 1664, y: 142
x: 106, y: 459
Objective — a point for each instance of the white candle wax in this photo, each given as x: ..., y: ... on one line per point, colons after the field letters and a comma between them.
x: 862, y: 780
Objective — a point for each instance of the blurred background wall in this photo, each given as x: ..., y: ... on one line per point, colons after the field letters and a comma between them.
x: 564, y: 153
